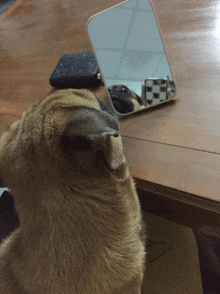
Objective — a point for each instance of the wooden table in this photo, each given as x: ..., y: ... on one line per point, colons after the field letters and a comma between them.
x: 173, y: 151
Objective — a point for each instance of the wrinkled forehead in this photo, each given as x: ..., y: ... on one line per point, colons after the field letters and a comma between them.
x: 70, y: 98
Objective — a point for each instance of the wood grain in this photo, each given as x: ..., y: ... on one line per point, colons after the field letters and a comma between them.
x: 187, y: 170
x: 176, y: 146
x: 178, y: 211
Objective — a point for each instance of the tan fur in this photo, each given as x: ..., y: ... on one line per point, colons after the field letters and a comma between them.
x: 80, y: 220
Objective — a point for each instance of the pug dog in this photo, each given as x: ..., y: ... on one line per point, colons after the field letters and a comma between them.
x: 124, y: 100
x: 79, y: 214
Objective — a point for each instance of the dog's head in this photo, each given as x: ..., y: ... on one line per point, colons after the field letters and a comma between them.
x: 68, y: 130
x: 124, y: 100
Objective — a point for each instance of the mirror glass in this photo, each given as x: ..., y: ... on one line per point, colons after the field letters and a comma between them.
x: 131, y: 56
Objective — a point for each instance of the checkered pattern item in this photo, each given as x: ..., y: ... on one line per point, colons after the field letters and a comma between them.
x: 156, y: 91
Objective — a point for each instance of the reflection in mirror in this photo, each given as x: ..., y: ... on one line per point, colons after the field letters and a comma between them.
x: 131, y: 56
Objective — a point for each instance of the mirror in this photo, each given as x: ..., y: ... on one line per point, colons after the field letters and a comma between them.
x: 131, y: 56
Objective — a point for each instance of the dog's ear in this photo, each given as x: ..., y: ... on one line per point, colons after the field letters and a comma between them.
x: 110, y: 144
x: 92, y: 130
x: 107, y: 140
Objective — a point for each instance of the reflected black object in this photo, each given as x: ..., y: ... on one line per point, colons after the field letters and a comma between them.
x: 122, y: 97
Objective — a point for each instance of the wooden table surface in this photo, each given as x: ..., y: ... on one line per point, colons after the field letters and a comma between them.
x: 174, y: 150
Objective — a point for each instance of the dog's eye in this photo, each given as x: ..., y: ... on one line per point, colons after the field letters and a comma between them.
x: 124, y: 90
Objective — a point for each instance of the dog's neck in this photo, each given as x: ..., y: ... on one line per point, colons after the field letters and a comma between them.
x: 72, y: 233
x: 63, y: 214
